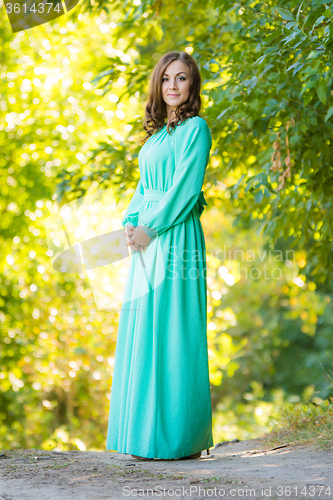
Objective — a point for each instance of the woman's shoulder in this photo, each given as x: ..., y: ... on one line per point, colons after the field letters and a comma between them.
x: 193, y: 127
x: 194, y: 121
x: 191, y: 124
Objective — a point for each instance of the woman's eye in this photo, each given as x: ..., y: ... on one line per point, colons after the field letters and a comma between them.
x: 165, y: 79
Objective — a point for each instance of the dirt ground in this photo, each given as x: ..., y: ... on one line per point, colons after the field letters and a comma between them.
x: 247, y: 469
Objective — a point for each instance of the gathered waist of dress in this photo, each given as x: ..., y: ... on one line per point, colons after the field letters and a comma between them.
x: 153, y: 194
x: 156, y: 195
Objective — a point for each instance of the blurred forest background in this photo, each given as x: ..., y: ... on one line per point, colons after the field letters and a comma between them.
x: 72, y: 98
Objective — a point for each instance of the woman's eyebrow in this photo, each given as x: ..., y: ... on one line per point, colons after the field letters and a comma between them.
x: 166, y: 74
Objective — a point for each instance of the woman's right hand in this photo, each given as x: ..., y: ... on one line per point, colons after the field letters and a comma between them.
x: 129, y: 229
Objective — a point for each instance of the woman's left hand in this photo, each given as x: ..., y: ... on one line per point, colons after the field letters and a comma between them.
x: 140, y: 239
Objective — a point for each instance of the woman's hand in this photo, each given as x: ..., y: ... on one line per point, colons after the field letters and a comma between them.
x: 128, y: 231
x: 139, y: 240
x: 136, y: 238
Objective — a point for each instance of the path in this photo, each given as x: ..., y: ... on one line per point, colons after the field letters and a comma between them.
x: 247, y: 469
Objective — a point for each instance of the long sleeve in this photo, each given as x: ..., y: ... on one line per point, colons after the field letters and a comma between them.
x: 192, y: 143
x: 132, y: 212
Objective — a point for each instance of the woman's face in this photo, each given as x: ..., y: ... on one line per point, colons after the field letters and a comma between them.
x: 175, y: 84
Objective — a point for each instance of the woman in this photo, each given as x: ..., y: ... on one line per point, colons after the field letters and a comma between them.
x: 160, y: 399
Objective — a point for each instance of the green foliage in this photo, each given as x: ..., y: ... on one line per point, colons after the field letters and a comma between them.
x: 269, y: 328
x: 304, y: 424
x: 280, y: 116
x: 56, y: 349
x: 73, y: 108
x: 270, y: 116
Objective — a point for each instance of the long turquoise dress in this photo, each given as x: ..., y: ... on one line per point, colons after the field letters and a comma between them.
x: 160, y: 397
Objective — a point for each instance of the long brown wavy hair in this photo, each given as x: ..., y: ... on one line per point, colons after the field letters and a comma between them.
x: 156, y: 111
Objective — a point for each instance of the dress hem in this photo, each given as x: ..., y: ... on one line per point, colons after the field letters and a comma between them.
x: 186, y: 454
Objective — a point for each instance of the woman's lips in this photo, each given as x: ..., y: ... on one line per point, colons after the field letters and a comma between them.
x: 173, y: 95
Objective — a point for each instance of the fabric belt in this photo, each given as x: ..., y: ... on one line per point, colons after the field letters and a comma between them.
x: 156, y: 195
x: 153, y: 195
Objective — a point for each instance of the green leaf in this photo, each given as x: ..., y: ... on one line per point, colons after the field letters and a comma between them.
x: 285, y: 14
x: 299, y: 10
x: 329, y: 113
x: 272, y: 36
x: 326, y: 227
x: 293, y: 65
x: 291, y: 24
x: 288, y: 39
x: 260, y: 60
x: 298, y: 67
x: 259, y: 197
x: 321, y: 93
x: 267, y: 193
x: 319, y: 20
